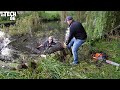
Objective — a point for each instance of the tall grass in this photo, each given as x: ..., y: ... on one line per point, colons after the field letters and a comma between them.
x: 52, y: 68
x: 97, y: 23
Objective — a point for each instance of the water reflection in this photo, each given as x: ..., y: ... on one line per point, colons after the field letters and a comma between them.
x: 51, y: 28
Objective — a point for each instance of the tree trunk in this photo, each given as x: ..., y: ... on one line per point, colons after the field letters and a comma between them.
x: 63, y: 16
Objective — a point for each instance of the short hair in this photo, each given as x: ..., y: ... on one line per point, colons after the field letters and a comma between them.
x: 51, y: 37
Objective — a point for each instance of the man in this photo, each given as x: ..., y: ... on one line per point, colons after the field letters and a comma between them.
x: 77, y: 36
x: 48, y: 43
x: 50, y: 46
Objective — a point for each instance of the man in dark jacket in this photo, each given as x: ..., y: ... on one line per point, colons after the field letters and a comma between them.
x: 77, y: 36
x: 47, y: 44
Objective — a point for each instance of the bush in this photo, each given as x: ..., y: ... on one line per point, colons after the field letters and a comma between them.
x: 50, y: 16
x: 25, y: 25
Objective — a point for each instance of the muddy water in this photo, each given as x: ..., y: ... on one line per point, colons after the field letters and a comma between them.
x: 20, y: 43
x: 52, y: 28
x: 39, y: 36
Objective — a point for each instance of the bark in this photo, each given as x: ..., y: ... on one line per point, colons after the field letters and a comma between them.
x: 63, y: 16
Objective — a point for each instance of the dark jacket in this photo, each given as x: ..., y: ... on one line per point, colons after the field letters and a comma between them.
x: 77, y: 31
x: 47, y: 44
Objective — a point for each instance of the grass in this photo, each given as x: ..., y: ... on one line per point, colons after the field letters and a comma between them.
x: 4, y: 22
x: 51, y: 68
x: 111, y: 48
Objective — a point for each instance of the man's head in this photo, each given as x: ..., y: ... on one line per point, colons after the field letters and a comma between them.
x: 68, y: 20
x: 50, y: 39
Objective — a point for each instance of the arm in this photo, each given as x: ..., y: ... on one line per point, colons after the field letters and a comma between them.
x: 43, y: 45
x: 40, y: 45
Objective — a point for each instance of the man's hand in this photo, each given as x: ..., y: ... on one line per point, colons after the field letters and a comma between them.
x: 64, y: 45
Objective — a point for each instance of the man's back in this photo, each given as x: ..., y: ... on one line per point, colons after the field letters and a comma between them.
x: 78, y: 30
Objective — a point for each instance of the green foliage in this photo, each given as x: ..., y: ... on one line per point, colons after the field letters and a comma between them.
x: 25, y: 25
x: 99, y: 22
x: 95, y: 23
x: 24, y: 14
x: 28, y: 23
x: 6, y: 74
x: 4, y: 18
x: 50, y: 15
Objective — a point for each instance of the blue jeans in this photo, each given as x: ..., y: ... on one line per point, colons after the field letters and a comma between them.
x: 75, y: 44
